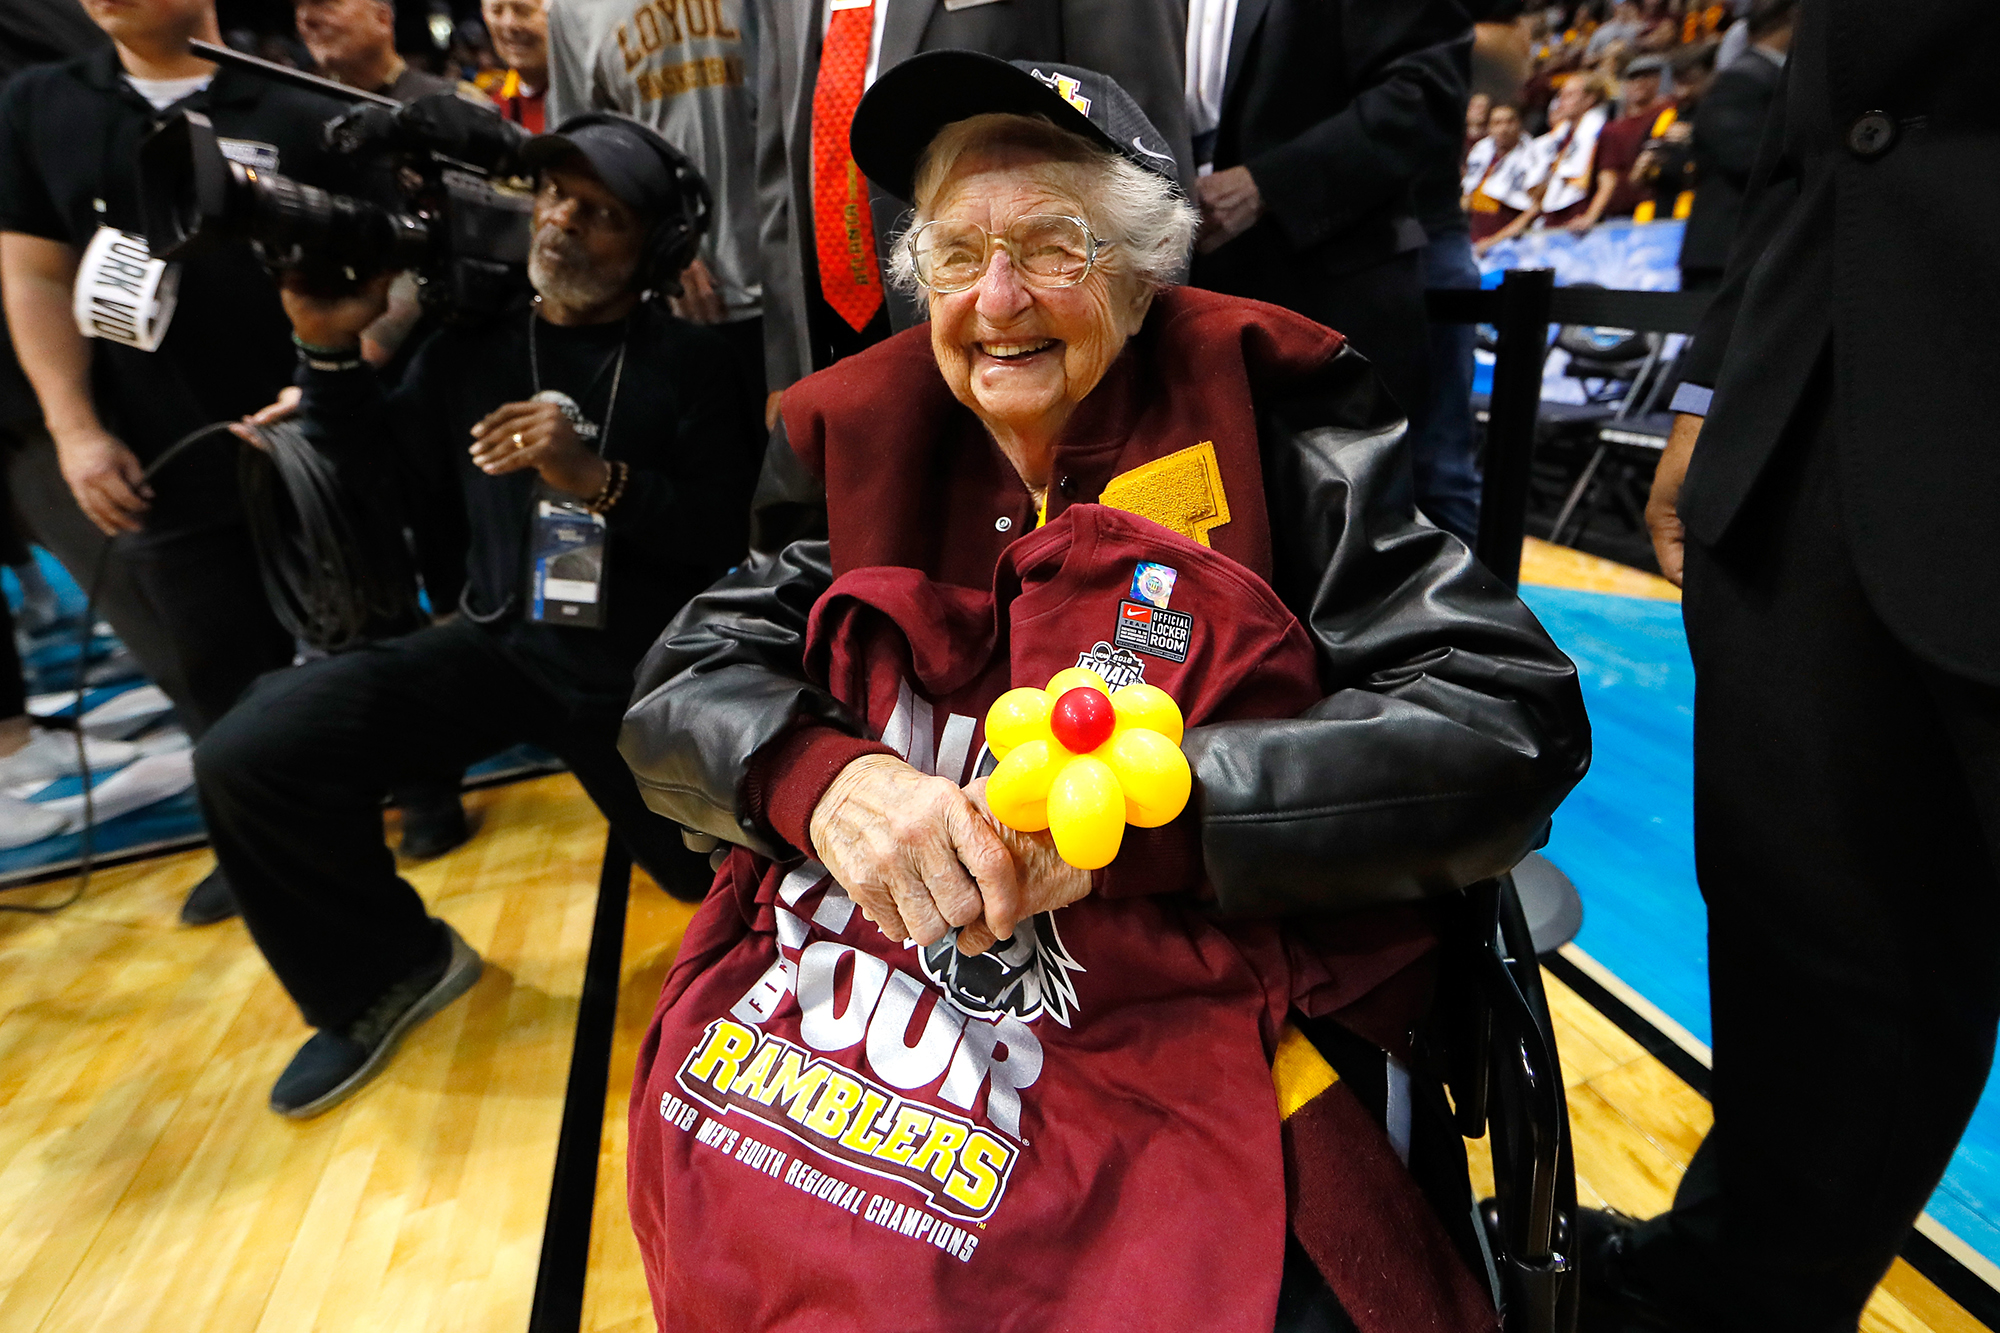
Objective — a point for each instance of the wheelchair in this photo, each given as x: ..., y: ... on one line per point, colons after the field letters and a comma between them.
x: 1500, y: 1064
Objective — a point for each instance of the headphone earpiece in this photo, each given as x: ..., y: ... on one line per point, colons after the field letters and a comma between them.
x: 676, y: 235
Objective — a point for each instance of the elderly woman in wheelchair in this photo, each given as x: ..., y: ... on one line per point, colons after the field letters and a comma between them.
x: 922, y: 1064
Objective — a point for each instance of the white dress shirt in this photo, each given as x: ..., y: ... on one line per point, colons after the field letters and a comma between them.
x: 1211, y: 23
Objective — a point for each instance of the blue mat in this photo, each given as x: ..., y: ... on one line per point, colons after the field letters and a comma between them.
x: 49, y: 665
x: 1626, y: 838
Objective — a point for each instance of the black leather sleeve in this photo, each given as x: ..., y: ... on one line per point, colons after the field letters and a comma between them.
x: 727, y: 677
x: 1452, y: 725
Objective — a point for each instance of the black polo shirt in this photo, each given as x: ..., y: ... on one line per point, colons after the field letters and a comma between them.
x: 69, y: 136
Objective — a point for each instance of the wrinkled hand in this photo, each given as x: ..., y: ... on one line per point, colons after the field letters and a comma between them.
x: 1663, y: 518
x: 1230, y: 205
x: 334, y: 321
x: 1047, y: 881
x: 537, y: 435
x: 915, y: 852
x: 106, y: 478
x: 284, y: 409
x: 699, y: 301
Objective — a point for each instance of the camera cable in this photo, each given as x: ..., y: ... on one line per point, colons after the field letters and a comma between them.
x: 87, y: 853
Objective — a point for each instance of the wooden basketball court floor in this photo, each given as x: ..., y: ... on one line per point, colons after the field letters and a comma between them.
x: 145, y: 1186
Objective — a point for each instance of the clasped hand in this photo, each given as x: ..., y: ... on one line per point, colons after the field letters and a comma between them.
x: 514, y: 436
x: 921, y: 855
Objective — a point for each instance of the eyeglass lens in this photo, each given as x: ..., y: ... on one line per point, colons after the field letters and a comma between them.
x: 1049, y: 249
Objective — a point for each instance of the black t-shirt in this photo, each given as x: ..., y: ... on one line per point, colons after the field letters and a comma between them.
x: 69, y: 135
x: 682, y: 423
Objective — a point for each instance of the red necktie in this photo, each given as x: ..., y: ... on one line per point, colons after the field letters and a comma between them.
x: 842, y: 225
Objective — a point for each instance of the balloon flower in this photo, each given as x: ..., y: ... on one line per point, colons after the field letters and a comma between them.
x: 1083, y: 761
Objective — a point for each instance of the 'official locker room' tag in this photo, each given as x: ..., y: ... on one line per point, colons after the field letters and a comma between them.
x: 566, y: 563
x: 122, y: 293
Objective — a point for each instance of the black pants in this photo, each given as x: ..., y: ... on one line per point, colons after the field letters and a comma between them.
x: 292, y: 782
x: 1380, y: 306
x: 1847, y: 812
x: 189, y: 605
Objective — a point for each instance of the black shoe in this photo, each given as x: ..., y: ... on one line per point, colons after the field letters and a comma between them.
x: 211, y: 901
x: 433, y: 828
x: 1613, y: 1301
x: 333, y: 1066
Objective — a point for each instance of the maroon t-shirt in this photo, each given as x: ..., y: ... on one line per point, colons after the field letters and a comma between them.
x: 830, y: 1130
x: 1618, y: 149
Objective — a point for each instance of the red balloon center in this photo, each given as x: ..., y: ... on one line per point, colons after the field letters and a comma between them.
x: 1082, y: 719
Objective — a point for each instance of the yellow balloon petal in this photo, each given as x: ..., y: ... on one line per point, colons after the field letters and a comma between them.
x: 1070, y: 678
x: 1153, y: 774
x: 1018, y: 789
x: 1016, y: 717
x: 1087, y: 813
x: 1148, y: 707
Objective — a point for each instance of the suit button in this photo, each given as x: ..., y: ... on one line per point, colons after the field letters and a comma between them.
x: 1871, y: 136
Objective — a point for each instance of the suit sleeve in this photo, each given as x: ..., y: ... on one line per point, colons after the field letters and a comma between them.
x: 777, y: 238
x: 1773, y: 185
x: 1408, y: 63
x: 1142, y: 44
x: 1729, y: 126
x: 1451, y: 727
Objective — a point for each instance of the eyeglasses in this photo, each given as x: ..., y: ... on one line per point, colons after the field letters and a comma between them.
x: 1047, y: 249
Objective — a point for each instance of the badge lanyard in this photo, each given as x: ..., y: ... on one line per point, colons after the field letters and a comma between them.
x: 568, y: 554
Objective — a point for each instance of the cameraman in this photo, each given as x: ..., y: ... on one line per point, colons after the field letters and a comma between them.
x: 196, y: 615
x: 593, y: 403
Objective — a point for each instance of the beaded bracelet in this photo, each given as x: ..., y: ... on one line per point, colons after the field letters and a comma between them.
x: 613, y: 488
x: 327, y: 358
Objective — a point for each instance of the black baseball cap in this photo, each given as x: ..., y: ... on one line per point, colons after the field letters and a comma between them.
x: 630, y: 158
x: 905, y: 107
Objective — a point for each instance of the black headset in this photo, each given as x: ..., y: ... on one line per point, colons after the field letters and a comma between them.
x: 677, y: 232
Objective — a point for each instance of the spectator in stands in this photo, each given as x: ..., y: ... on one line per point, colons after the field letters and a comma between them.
x: 1309, y: 203
x: 1477, y: 108
x: 572, y: 449
x: 1647, y: 112
x: 1566, y: 159
x: 520, y: 33
x: 1726, y: 131
x: 1499, y: 179
x: 354, y: 42
x: 1625, y: 25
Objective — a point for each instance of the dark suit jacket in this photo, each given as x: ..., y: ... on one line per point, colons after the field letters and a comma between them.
x: 1136, y: 42
x: 1888, y: 261
x: 1727, y: 128
x: 1336, y: 107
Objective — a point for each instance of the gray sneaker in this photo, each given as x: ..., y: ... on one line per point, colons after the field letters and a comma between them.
x: 333, y: 1065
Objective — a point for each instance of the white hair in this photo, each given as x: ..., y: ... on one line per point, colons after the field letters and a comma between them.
x: 1150, y: 225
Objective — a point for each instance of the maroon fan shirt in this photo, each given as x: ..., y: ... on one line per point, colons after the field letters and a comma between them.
x: 831, y: 1130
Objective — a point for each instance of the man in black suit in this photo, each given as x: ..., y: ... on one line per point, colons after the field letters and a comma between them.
x: 1330, y: 110
x: 1726, y: 130
x: 1136, y: 42
x: 1834, y: 514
